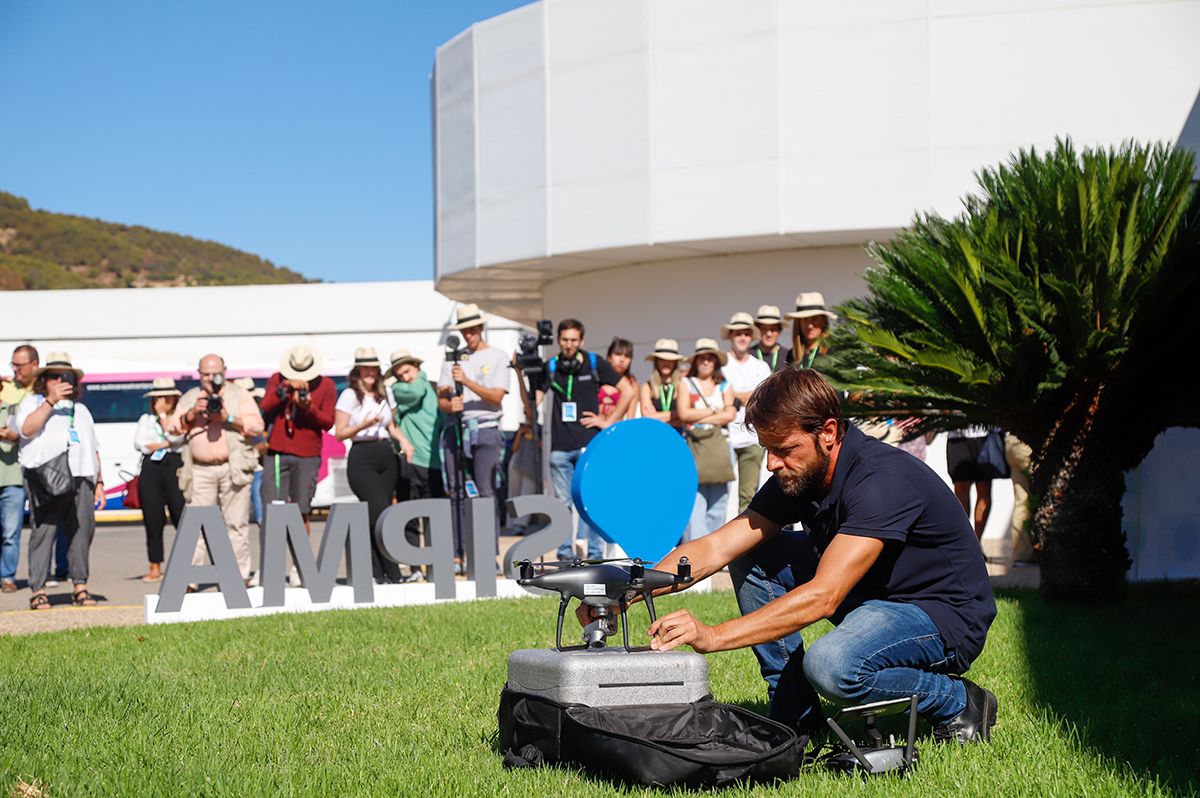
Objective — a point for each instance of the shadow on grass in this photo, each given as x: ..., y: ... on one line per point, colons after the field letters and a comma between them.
x: 1125, y: 677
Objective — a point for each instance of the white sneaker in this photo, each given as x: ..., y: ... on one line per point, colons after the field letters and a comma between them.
x: 294, y: 577
x: 253, y: 580
x: 52, y: 582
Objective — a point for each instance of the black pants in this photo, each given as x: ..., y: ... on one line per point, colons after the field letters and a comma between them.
x: 160, y: 493
x: 417, y: 483
x: 371, y: 469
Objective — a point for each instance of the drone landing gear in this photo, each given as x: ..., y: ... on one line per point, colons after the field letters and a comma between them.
x: 596, y: 632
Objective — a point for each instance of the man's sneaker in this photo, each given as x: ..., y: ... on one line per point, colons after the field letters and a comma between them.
x: 973, y: 724
x: 52, y: 582
x: 812, y: 733
x: 415, y: 576
x: 253, y: 580
x: 294, y: 577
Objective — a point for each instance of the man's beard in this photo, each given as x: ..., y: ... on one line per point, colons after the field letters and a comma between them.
x: 808, y: 483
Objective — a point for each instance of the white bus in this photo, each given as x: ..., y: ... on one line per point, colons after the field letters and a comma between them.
x: 124, y: 337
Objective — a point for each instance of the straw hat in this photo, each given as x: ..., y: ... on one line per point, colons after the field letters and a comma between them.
x: 739, y: 321
x: 57, y: 361
x: 665, y: 349
x: 247, y: 385
x: 468, y: 316
x: 163, y: 386
x: 811, y: 303
x: 768, y: 314
x: 365, y: 356
x: 301, y: 362
x: 707, y: 346
x: 402, y: 356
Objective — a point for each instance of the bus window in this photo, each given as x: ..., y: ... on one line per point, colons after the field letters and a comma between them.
x: 121, y: 402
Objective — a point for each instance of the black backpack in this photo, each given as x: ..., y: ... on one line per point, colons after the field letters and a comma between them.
x: 701, y: 744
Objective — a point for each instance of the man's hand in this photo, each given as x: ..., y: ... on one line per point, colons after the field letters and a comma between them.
x: 201, y: 408
x: 456, y: 404
x: 7, y: 434
x: 681, y: 628
x: 99, y: 499
x: 458, y: 374
x: 593, y: 421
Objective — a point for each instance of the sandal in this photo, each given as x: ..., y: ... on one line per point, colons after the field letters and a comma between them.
x: 39, y: 601
x: 82, y: 598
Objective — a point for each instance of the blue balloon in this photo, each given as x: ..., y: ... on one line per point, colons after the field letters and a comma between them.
x: 636, y: 485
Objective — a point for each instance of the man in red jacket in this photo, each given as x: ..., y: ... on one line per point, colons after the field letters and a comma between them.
x: 298, y: 407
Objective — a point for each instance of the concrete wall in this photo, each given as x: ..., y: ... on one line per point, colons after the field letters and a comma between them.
x: 691, y: 298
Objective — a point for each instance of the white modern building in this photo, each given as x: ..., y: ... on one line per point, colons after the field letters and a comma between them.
x: 652, y: 166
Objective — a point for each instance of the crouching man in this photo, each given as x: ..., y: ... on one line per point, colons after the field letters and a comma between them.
x: 887, y: 555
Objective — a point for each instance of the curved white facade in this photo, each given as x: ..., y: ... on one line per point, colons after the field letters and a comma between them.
x: 652, y: 166
x: 576, y: 136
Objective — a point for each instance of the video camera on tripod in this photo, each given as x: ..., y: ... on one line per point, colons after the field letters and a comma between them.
x: 529, y: 360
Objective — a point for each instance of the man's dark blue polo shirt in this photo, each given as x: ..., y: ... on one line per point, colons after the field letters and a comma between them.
x: 930, y: 556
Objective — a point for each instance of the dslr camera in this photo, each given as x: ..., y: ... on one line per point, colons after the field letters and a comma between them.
x: 283, y: 391
x: 216, y: 405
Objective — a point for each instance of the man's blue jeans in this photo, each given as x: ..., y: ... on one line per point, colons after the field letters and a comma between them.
x: 881, y: 650
x: 562, y: 473
x: 12, y: 516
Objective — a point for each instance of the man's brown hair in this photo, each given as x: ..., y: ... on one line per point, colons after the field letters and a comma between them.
x: 794, y: 399
x: 570, y: 324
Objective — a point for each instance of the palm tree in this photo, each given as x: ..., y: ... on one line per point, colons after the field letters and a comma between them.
x: 1063, y: 305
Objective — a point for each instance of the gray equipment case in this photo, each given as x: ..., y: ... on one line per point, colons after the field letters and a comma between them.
x: 609, y: 676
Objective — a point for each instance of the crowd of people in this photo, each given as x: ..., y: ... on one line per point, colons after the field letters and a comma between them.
x: 242, y: 448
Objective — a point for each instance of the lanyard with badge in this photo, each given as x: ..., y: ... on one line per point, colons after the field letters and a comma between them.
x: 159, y: 454
x: 811, y: 357
x: 570, y: 409
x: 666, y: 395
x: 72, y: 433
x: 774, y: 356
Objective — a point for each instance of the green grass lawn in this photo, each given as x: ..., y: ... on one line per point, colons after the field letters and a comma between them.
x: 403, y: 701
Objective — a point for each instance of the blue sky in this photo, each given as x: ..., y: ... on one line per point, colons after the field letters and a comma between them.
x: 299, y: 131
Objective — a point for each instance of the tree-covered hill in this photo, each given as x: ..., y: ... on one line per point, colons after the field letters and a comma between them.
x: 40, y: 250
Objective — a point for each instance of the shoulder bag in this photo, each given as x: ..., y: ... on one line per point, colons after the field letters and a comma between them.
x: 133, y: 493
x: 51, y: 479
x: 710, y: 449
x: 991, y: 456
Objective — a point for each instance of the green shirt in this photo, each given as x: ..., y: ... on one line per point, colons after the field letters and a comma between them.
x: 418, y: 418
x: 10, y: 396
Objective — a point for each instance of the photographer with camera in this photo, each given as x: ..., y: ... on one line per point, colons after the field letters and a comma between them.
x: 298, y: 405
x: 573, y: 378
x: 473, y: 383
x: 218, y: 464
